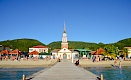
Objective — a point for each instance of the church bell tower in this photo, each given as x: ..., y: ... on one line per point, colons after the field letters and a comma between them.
x: 64, y: 43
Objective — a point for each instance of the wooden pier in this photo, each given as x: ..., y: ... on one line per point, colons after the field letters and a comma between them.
x: 64, y: 70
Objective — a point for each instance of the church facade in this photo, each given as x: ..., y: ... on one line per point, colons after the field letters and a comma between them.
x: 64, y: 52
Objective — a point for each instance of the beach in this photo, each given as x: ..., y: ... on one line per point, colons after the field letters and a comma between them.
x: 47, y: 63
x: 27, y: 64
x: 89, y: 63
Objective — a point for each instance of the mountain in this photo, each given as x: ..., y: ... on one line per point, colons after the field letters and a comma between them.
x: 92, y: 46
x: 24, y: 44
x: 21, y: 44
x: 123, y: 43
x: 72, y: 45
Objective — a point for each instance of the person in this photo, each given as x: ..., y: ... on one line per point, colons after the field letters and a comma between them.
x: 77, y: 63
x: 58, y: 60
x: 94, y: 58
x: 1, y: 58
x: 6, y: 57
x: 115, y: 63
x: 120, y: 64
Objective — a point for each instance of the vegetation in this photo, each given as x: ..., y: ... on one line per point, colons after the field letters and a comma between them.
x: 110, y: 49
x: 122, y: 43
x: 21, y: 44
x: 124, y: 52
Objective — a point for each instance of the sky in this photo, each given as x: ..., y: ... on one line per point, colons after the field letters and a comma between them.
x: 106, y: 21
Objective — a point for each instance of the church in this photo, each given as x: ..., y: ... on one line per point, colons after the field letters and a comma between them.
x: 64, y: 52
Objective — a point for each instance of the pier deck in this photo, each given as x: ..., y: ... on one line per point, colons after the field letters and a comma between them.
x: 65, y: 70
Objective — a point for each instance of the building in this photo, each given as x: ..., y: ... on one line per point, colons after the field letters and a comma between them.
x: 129, y: 51
x: 4, y: 48
x: 39, y: 49
x: 64, y: 52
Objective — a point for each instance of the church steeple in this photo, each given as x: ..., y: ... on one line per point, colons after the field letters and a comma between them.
x: 64, y: 27
x: 64, y: 43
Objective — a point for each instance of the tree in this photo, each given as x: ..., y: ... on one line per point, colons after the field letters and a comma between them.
x: 110, y: 51
x: 124, y: 52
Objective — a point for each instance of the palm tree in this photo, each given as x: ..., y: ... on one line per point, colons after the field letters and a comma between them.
x: 124, y: 52
x: 110, y: 51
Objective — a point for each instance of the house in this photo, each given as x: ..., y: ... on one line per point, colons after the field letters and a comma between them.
x: 15, y: 52
x: 129, y: 51
x: 39, y: 49
x: 97, y: 54
x: 4, y: 48
x: 34, y: 54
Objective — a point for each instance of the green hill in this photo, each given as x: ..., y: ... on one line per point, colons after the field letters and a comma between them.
x: 123, y: 43
x: 73, y: 45
x: 24, y: 44
x: 21, y: 44
x: 92, y: 46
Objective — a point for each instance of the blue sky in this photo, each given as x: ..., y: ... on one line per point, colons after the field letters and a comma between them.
x: 106, y: 21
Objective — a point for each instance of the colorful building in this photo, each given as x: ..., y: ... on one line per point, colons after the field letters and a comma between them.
x: 39, y: 49
x: 129, y: 51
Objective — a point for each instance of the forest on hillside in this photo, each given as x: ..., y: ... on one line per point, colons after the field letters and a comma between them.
x: 25, y: 44
x: 21, y: 44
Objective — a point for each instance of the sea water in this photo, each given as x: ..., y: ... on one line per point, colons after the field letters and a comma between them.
x: 16, y: 73
x: 112, y: 73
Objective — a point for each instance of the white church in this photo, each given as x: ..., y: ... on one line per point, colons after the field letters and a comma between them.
x: 64, y: 52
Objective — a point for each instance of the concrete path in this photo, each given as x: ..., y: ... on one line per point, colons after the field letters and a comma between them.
x: 65, y: 70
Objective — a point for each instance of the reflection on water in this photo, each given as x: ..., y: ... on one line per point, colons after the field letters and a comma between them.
x: 16, y: 73
x: 112, y: 73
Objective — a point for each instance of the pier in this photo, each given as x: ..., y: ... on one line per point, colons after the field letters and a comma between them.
x: 64, y: 70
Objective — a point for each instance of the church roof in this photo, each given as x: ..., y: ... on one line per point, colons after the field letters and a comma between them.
x: 57, y: 50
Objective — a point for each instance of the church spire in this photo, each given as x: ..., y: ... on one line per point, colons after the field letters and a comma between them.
x: 64, y: 27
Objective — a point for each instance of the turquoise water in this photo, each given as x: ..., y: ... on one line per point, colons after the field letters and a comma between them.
x: 109, y: 73
x: 112, y: 73
x: 16, y: 73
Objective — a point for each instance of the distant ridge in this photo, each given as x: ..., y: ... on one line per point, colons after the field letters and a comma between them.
x: 21, y: 44
x: 24, y: 44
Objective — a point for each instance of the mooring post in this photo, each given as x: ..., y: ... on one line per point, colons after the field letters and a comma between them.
x: 101, y: 77
x: 23, y: 77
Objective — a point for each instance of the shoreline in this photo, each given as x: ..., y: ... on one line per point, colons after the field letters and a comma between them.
x: 49, y: 63
x: 89, y: 63
x: 27, y: 64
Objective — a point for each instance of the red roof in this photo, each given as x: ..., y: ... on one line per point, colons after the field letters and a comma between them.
x: 33, y: 52
x: 98, y: 52
x: 39, y: 46
x: 93, y: 52
x: 16, y: 51
x: 4, y: 52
